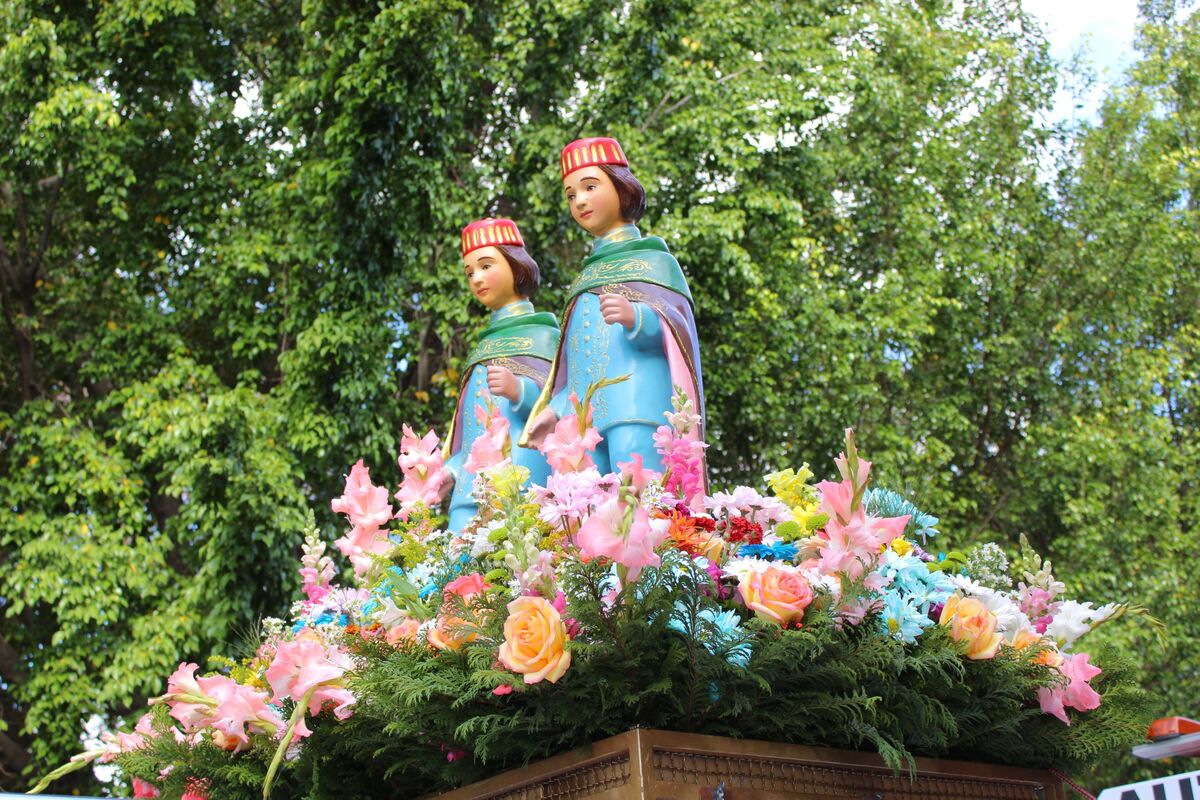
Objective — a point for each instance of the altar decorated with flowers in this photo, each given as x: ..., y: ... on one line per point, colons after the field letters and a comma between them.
x: 594, y: 599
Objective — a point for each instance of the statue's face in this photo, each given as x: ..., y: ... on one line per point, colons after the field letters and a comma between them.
x: 490, y: 277
x: 593, y: 200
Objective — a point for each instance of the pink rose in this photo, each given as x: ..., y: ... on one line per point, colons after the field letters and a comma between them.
x: 776, y: 594
x: 144, y: 790
x: 465, y: 586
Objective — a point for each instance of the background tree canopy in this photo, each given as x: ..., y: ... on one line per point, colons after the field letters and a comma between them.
x: 229, y: 268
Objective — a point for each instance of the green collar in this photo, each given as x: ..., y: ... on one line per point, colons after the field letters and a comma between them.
x: 624, y: 233
x: 514, y: 309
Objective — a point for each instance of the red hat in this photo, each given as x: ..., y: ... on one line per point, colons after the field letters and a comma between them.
x: 489, y: 233
x: 592, y: 153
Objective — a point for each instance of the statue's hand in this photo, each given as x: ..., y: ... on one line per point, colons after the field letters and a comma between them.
x: 502, y: 383
x: 540, y: 427
x: 617, y: 310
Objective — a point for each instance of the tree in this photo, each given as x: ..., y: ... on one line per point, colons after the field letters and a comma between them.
x: 228, y: 241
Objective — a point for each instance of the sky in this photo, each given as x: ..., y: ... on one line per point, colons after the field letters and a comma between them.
x: 1103, y: 30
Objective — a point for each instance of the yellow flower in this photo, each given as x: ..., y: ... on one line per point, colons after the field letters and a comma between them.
x: 902, y: 546
x: 972, y: 622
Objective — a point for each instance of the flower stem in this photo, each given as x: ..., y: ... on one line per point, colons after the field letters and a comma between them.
x: 297, y: 716
x: 76, y: 763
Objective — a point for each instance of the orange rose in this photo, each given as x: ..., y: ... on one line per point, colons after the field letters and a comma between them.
x: 1050, y: 656
x: 534, y: 635
x: 972, y: 622
x: 776, y: 594
x: 442, y: 635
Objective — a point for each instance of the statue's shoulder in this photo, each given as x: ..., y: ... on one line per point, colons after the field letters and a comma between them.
x: 533, y: 335
x: 646, y: 260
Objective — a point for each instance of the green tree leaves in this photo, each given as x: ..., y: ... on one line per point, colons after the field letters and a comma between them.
x: 229, y: 268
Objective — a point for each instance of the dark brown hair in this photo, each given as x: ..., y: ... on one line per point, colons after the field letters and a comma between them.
x: 526, y: 275
x: 629, y: 190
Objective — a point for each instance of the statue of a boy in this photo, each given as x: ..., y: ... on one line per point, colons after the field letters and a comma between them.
x: 628, y: 312
x: 511, y: 359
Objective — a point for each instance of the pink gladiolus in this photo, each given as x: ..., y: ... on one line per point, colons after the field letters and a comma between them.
x: 853, y: 539
x: 308, y: 665
x: 219, y: 703
x: 240, y: 709
x: 188, y: 702
x: 364, y: 503
x: 568, y: 447
x: 489, y: 447
x: 1077, y: 694
x: 864, y: 468
x: 361, y: 544
x: 836, y: 499
x: 424, y: 474
x: 635, y: 475
x: 419, y: 455
x: 629, y: 542
x: 144, y: 790
x: 683, y: 458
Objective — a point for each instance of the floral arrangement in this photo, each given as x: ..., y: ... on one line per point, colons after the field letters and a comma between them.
x: 818, y: 614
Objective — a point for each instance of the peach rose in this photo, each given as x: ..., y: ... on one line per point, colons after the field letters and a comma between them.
x: 776, y: 594
x: 972, y: 622
x: 534, y: 635
x: 406, y: 631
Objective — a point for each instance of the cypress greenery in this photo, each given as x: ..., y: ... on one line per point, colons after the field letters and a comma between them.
x: 425, y: 723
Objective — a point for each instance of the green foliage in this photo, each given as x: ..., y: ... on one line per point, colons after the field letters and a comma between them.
x: 428, y: 722
x: 228, y: 270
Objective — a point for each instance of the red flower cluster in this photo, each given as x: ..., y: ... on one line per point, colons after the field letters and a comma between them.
x: 741, y: 529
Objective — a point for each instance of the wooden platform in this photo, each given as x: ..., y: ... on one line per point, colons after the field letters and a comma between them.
x: 660, y: 765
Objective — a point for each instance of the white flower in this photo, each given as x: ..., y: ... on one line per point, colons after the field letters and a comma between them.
x: 1009, y: 617
x: 1074, y: 619
x: 389, y: 615
x: 746, y: 502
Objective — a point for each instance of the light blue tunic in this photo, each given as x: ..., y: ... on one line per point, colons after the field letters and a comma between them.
x: 628, y: 413
x: 462, y: 504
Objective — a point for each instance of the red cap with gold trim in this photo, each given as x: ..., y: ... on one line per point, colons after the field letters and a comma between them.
x: 592, y: 153
x: 489, y: 233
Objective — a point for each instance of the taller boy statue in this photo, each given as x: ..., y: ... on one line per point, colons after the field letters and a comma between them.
x: 628, y: 313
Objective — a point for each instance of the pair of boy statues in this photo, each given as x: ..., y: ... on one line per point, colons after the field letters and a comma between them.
x: 628, y: 313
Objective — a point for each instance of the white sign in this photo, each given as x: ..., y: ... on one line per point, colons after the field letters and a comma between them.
x: 1176, y: 787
